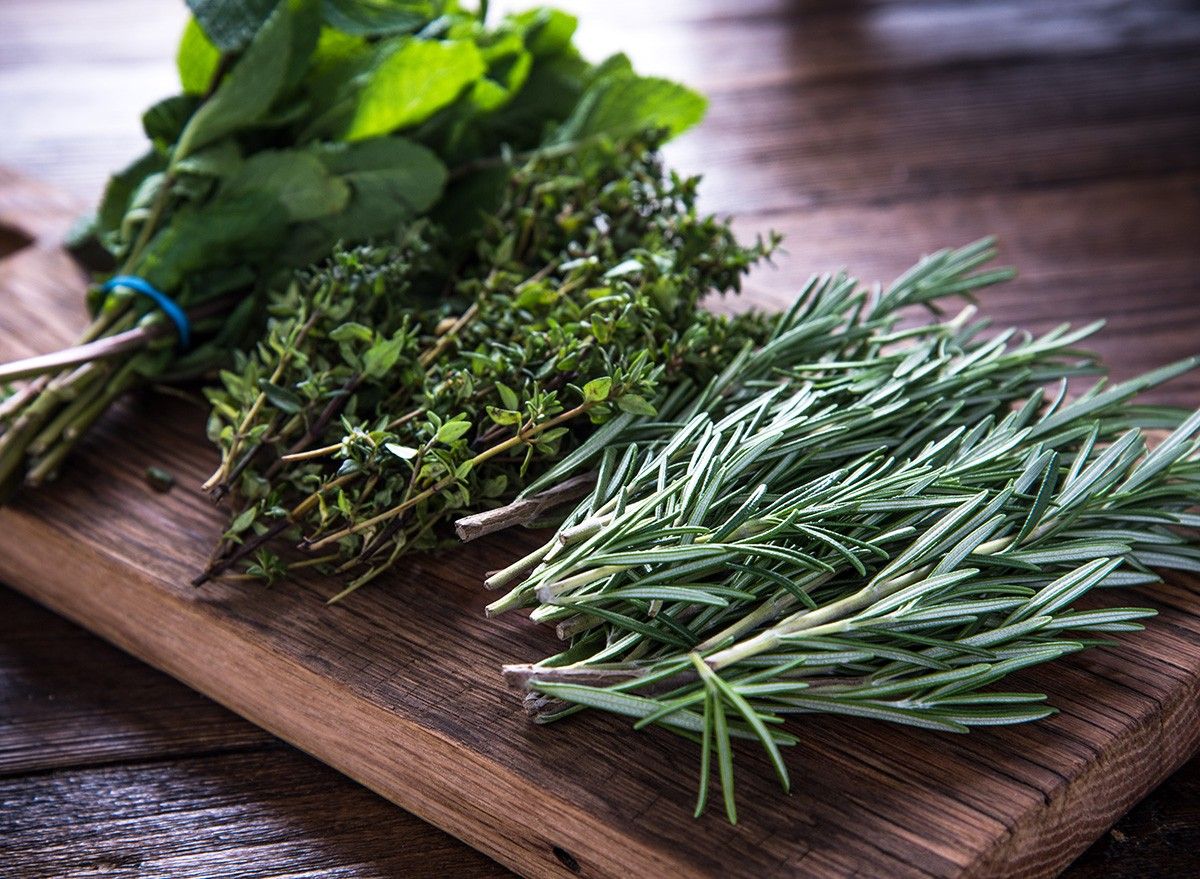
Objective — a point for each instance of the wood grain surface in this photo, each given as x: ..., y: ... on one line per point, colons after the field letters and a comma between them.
x: 869, y: 132
x: 108, y: 768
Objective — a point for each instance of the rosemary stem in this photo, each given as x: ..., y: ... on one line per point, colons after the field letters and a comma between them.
x: 524, y: 510
x: 807, y: 620
x: 549, y: 591
x: 519, y: 567
x: 764, y: 613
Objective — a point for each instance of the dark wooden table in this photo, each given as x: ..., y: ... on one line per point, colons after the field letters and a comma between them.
x: 1071, y: 129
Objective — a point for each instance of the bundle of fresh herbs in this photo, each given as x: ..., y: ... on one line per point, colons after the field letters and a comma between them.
x: 859, y: 518
x: 399, y: 385
x: 831, y: 511
x: 304, y: 123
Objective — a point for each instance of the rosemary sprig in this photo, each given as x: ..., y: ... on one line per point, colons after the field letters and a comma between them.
x: 861, y: 519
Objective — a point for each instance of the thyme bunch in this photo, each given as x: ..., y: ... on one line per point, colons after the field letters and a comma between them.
x: 860, y: 519
x: 398, y: 386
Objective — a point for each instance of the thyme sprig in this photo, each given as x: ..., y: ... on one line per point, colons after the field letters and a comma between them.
x: 860, y: 519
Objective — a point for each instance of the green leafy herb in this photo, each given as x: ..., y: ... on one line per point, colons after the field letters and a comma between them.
x: 398, y: 387
x: 303, y: 124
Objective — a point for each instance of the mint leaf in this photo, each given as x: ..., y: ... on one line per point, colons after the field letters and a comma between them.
x: 377, y: 17
x: 227, y: 230
x: 222, y: 159
x: 340, y: 65
x: 621, y: 103
x: 391, y: 167
x: 391, y: 180
x: 278, y: 50
x: 118, y: 194
x: 298, y: 179
x: 508, y: 65
x: 164, y: 121
x: 411, y: 83
x: 196, y: 60
x: 551, y: 90
x: 231, y: 24
x: 547, y: 31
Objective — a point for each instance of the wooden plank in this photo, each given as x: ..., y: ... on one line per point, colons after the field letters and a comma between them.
x: 719, y: 47
x: 774, y: 51
x: 231, y: 816
x: 67, y: 700
x: 986, y: 128
x: 1157, y: 838
x: 398, y: 689
x: 198, y: 791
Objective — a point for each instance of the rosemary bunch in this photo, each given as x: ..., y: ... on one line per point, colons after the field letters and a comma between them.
x: 879, y: 522
x: 398, y: 386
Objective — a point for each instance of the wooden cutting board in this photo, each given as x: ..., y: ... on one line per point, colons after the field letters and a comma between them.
x: 399, y: 687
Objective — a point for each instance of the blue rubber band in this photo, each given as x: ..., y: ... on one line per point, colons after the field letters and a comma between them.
x: 166, y: 304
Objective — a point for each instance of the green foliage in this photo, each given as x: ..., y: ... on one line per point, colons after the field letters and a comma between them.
x: 196, y: 59
x: 111, y: 219
x: 298, y: 181
x: 278, y: 50
x: 411, y: 83
x: 827, y: 512
x: 623, y: 103
x: 231, y: 24
x: 377, y: 18
x: 458, y: 378
x: 858, y: 519
x: 303, y: 124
